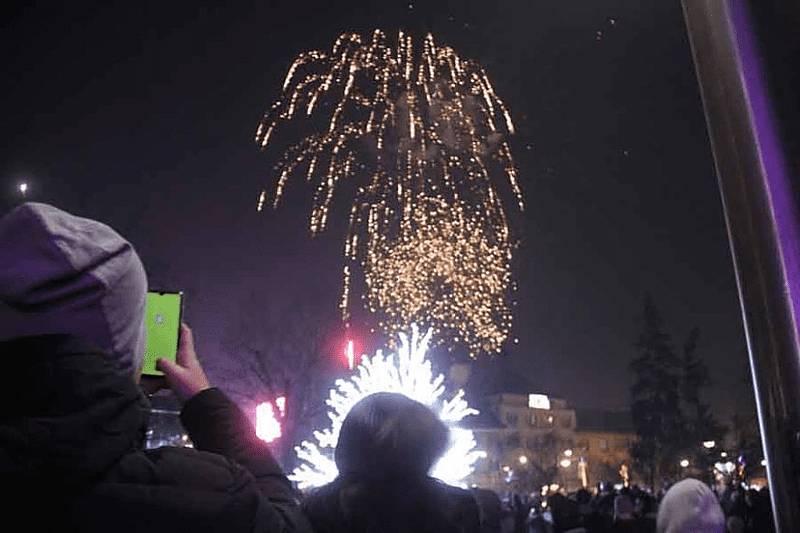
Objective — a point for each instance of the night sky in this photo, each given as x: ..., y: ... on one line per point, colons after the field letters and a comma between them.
x: 142, y: 115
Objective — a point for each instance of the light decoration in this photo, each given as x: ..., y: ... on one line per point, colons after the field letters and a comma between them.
x: 268, y: 428
x: 538, y: 401
x: 350, y: 355
x: 413, y: 127
x: 583, y: 474
x: 407, y: 372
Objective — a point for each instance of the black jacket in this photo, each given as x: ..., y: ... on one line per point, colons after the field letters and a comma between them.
x: 72, y: 427
x: 399, y: 505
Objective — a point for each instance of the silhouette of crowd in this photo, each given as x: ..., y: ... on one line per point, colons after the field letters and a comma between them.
x: 607, y: 509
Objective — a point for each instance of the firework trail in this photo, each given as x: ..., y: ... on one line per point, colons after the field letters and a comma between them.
x: 413, y: 130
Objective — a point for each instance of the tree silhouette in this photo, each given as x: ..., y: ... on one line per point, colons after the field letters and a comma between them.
x: 283, y: 344
x: 655, y: 407
x: 669, y: 415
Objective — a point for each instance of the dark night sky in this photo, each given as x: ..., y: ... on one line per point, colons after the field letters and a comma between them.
x: 142, y: 114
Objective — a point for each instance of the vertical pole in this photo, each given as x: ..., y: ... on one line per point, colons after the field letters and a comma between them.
x: 762, y: 229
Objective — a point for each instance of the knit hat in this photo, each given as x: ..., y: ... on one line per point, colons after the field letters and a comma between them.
x: 689, y: 506
x: 387, y: 435
x: 60, y: 273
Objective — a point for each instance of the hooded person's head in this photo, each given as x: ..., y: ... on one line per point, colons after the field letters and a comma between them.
x: 60, y: 273
x: 689, y: 506
x: 388, y: 435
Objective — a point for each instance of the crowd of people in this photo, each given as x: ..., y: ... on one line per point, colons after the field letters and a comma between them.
x: 72, y: 430
x: 689, y: 506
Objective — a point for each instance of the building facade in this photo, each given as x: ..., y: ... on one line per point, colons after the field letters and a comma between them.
x: 605, y: 439
x: 529, y: 441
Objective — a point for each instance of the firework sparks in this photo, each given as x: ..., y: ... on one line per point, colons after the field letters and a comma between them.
x: 445, y: 274
x: 410, y: 128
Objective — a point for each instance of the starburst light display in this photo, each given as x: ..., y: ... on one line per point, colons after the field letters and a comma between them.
x: 408, y: 127
x: 407, y: 372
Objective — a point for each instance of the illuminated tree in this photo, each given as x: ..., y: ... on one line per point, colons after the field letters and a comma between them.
x: 406, y: 372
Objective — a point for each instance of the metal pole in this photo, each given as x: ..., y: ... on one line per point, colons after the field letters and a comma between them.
x: 762, y: 229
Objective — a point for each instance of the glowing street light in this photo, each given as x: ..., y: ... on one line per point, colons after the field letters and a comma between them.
x: 684, y: 463
x: 523, y: 459
x: 565, y: 463
x: 568, y: 453
x: 23, y: 188
x: 708, y: 444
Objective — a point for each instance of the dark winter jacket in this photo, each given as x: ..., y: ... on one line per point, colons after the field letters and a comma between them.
x: 72, y: 427
x: 411, y: 505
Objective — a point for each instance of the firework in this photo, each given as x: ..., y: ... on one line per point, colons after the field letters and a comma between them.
x: 410, y: 127
x: 409, y: 374
x: 446, y: 274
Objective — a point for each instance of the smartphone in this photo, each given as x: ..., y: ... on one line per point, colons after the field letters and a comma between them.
x: 163, y: 315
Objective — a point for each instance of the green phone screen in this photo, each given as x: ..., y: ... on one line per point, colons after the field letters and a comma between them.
x: 162, y: 322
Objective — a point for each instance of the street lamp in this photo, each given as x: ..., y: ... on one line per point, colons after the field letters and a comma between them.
x: 684, y: 463
x: 523, y: 459
x: 708, y: 444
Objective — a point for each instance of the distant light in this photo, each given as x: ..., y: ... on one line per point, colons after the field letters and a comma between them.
x: 709, y: 444
x: 568, y: 453
x: 267, y: 427
x: 349, y: 353
x: 565, y: 463
x: 723, y: 454
x: 523, y: 459
x: 23, y: 188
x: 506, y: 468
x: 281, y: 404
x: 538, y: 401
x: 684, y: 463
x: 763, y: 462
x: 725, y: 468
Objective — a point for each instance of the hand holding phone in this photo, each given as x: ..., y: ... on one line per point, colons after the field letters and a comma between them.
x: 185, y: 375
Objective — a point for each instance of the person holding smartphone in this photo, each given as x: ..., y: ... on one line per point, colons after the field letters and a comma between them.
x: 73, y: 416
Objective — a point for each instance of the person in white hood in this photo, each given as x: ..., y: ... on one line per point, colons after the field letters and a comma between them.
x: 689, y: 506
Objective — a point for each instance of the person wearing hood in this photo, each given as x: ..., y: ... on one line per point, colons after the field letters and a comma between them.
x: 74, y: 418
x: 689, y: 506
x: 387, y: 444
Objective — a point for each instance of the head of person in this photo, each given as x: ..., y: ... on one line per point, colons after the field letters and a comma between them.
x: 689, y: 506
x: 63, y: 274
x: 388, y: 435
